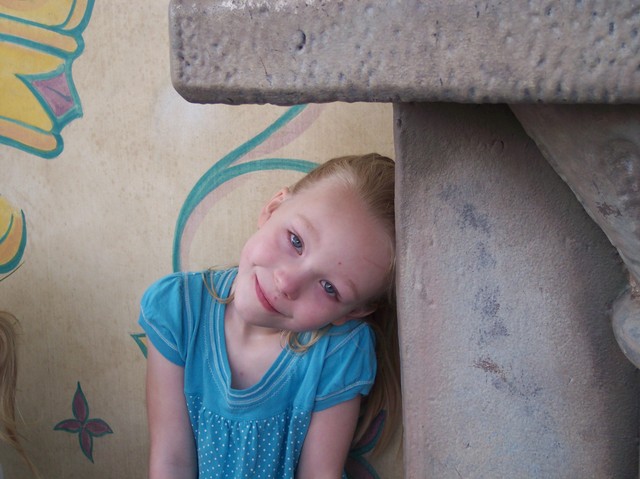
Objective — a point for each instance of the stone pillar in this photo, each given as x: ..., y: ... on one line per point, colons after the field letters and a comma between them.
x: 510, y: 366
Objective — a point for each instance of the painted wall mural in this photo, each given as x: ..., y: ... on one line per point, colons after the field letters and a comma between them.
x: 39, y: 40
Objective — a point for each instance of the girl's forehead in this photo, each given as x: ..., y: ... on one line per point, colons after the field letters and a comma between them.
x: 337, y: 212
x: 331, y: 191
x: 327, y: 183
x: 336, y: 204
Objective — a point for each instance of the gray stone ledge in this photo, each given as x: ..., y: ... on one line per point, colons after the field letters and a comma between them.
x: 300, y: 51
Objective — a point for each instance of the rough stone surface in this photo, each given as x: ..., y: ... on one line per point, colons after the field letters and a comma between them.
x: 300, y: 51
x: 596, y: 150
x: 504, y: 286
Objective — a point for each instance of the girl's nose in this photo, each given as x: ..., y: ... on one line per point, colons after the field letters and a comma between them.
x: 287, y: 282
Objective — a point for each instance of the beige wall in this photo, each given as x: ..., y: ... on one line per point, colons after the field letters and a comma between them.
x: 101, y: 215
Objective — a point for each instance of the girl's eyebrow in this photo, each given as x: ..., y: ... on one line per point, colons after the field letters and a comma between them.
x: 308, y: 226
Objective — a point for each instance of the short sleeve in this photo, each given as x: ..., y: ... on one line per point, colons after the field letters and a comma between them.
x: 163, y: 318
x: 349, y: 367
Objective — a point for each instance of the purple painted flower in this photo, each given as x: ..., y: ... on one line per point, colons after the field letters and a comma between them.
x: 86, y: 428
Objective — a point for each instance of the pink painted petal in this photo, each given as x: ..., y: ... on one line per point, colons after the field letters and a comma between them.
x: 97, y: 427
x: 69, y: 425
x: 86, y: 443
x: 56, y: 91
x: 80, y: 406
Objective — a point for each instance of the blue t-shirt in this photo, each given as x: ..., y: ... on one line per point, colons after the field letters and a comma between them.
x: 256, y: 432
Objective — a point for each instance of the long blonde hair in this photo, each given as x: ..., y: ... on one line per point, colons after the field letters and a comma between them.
x: 8, y: 383
x: 372, y: 178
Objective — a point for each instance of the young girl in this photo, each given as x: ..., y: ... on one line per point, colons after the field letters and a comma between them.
x: 260, y: 371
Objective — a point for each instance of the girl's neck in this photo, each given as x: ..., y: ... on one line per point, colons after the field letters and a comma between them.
x: 245, y: 331
x: 251, y: 350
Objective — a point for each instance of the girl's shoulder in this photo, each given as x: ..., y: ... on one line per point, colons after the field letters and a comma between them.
x: 348, y: 364
x: 170, y: 281
x: 175, y: 307
x: 180, y: 282
x: 352, y: 334
x: 180, y: 292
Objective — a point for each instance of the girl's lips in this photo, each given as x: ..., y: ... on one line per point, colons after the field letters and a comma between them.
x: 263, y: 299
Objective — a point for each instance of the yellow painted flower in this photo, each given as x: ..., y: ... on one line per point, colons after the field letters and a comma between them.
x: 13, y: 236
x: 39, y: 40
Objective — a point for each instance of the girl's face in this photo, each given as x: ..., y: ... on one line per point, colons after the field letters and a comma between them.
x: 318, y: 257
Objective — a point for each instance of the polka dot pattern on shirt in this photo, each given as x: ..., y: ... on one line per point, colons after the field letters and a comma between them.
x: 234, y: 449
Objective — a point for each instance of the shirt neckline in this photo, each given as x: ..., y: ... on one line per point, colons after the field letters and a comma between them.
x: 275, y: 374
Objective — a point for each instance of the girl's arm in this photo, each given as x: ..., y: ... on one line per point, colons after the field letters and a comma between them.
x: 172, y: 451
x: 326, y: 446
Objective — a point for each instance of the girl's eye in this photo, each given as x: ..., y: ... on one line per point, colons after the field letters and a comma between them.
x: 296, y: 242
x: 328, y: 288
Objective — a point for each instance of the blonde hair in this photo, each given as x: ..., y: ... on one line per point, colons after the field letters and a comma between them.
x: 8, y: 383
x: 372, y: 178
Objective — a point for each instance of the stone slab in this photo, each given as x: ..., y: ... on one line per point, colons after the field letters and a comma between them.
x: 300, y: 51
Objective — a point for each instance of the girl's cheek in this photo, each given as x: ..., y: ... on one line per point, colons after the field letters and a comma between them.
x: 323, y: 306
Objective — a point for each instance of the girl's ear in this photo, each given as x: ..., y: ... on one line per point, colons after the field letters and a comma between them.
x: 272, y: 205
x: 358, y: 313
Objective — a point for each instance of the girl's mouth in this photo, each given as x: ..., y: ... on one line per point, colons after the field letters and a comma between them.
x: 263, y: 299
